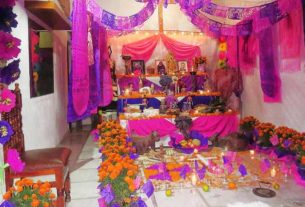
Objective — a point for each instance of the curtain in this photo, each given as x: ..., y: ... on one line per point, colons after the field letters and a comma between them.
x: 80, y: 72
x: 181, y: 51
x: 141, y: 50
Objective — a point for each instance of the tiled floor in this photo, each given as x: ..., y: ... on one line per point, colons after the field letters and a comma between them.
x: 85, y: 160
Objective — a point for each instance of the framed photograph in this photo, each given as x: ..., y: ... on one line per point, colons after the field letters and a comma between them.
x: 138, y: 66
x: 160, y: 66
x: 182, y: 66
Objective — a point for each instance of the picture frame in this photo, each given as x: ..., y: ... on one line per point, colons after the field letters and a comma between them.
x: 182, y: 66
x: 157, y: 63
x: 138, y: 65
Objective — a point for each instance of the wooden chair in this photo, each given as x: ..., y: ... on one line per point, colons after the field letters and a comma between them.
x: 39, y: 162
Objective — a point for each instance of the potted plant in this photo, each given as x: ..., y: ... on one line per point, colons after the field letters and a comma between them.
x: 286, y: 140
x: 300, y: 155
x: 247, y: 127
x: 264, y: 132
x: 26, y: 193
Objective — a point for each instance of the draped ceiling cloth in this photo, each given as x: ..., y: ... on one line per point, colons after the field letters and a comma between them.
x: 248, y: 20
x: 143, y: 49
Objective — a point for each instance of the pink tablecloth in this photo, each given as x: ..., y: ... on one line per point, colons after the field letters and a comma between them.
x: 206, y: 125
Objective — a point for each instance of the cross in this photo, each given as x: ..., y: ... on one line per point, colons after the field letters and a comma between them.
x: 160, y: 13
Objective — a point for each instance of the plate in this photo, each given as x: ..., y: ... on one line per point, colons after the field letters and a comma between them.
x: 264, y: 192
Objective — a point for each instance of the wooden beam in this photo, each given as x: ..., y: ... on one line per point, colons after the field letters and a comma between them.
x: 50, y: 13
x: 160, y: 16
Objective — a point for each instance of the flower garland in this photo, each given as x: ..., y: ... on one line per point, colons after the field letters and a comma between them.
x: 118, y: 171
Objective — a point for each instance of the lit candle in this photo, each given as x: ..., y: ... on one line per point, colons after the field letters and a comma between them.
x: 208, y: 91
x: 252, y: 152
x: 273, y: 172
x: 200, y: 92
x: 195, y: 151
x: 127, y: 92
x: 181, y: 158
x: 194, y: 179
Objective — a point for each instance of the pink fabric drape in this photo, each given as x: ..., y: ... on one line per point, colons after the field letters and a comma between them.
x: 145, y: 127
x: 290, y: 41
x: 181, y: 51
x: 106, y: 81
x: 206, y: 125
x: 80, y: 72
x: 210, y: 125
x: 143, y: 49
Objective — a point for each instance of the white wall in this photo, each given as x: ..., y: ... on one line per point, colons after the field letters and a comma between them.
x: 44, y: 118
x: 290, y: 112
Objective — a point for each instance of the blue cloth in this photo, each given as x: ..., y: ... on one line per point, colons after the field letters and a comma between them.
x: 155, y: 103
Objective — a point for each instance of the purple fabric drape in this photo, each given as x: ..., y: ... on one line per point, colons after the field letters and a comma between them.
x: 94, y: 81
x: 247, y: 53
x: 143, y: 49
x: 106, y: 81
x: 269, y: 71
x: 80, y: 72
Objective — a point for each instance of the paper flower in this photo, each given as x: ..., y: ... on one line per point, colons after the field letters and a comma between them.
x: 7, y: 19
x: 6, y: 204
x: 223, y: 46
x: 8, y: 46
x: 7, y: 100
x: 10, y: 73
x: 6, y: 132
x: 148, y: 188
x: 107, y: 194
x: 243, y: 171
x: 7, y: 3
x: 14, y: 161
x: 221, y: 63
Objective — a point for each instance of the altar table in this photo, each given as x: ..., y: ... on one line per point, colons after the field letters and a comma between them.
x: 154, y: 99
x: 208, y: 125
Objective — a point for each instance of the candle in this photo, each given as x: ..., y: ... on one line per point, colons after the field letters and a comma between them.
x: 252, y: 152
x: 194, y: 179
x: 200, y: 92
x: 126, y: 92
x: 208, y: 91
x: 273, y: 172
x: 195, y: 151
x: 182, y: 158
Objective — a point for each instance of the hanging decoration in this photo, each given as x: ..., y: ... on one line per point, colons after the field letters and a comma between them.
x: 9, y: 46
x: 6, y: 132
x: 253, y: 19
x: 113, y: 22
x: 7, y: 100
x: 222, y: 55
x: 10, y: 73
x: 7, y: 19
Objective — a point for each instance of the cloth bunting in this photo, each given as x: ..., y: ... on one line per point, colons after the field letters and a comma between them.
x: 148, y: 188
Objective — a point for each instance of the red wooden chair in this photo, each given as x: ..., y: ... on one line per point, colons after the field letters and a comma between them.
x: 39, y: 162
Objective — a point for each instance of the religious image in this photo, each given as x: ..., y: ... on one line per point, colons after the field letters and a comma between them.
x: 138, y: 66
x: 182, y: 66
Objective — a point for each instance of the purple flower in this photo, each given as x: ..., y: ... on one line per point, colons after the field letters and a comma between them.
x: 133, y: 156
x: 7, y: 100
x: 7, y: 19
x: 138, y: 203
x: 148, y: 188
x: 14, y: 160
x: 107, y: 193
x: 10, y: 73
x: 6, y: 132
x: 7, y: 3
x: 8, y: 46
x: 243, y: 171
